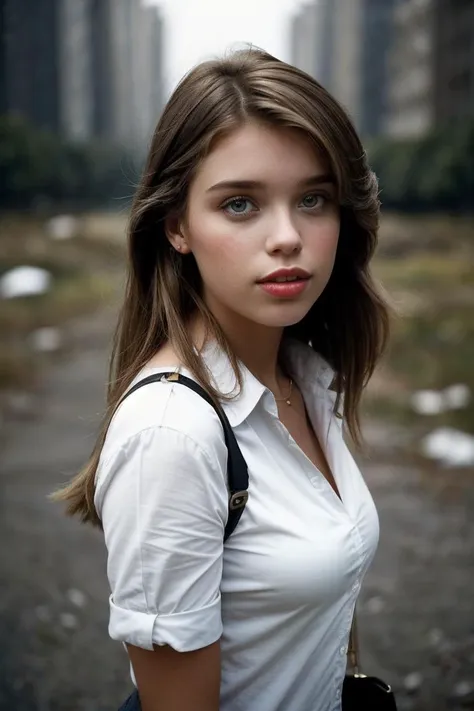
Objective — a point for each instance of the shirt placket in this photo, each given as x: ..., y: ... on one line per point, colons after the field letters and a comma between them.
x: 352, y: 600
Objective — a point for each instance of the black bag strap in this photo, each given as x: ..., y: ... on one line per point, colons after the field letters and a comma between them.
x: 237, y: 471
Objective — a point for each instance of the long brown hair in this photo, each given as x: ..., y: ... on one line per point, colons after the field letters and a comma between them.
x: 348, y: 325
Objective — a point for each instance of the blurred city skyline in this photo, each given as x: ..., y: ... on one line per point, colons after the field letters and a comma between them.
x: 84, y: 70
x: 402, y: 68
x: 83, y: 83
x: 88, y: 69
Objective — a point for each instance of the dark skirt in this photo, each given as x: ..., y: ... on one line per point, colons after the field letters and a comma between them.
x: 132, y: 703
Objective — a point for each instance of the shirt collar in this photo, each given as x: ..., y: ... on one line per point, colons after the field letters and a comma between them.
x: 223, y: 378
x: 306, y: 366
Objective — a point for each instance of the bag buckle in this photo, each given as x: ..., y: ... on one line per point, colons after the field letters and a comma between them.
x: 238, y: 500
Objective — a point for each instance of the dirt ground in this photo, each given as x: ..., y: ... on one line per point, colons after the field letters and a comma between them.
x: 416, y: 614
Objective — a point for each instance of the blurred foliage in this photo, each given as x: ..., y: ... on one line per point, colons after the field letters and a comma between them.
x: 39, y: 168
x: 435, y: 173
x: 432, y: 343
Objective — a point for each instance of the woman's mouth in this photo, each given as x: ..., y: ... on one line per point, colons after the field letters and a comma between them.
x: 285, y: 287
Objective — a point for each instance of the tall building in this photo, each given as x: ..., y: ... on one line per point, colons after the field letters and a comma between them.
x: 123, y: 31
x: 3, y: 59
x: 102, y: 63
x: 411, y: 70
x: 306, y: 36
x: 454, y: 60
x: 74, y: 69
x: 147, y: 78
x: 127, y: 76
x: 377, y: 31
x: 346, y: 71
x: 326, y: 51
x: 311, y: 36
x: 325, y: 42
x: 361, y: 36
x: 83, y: 68
x: 345, y: 42
x: 30, y: 47
x: 399, y: 67
x: 112, y: 53
x: 155, y: 61
x: 45, y: 47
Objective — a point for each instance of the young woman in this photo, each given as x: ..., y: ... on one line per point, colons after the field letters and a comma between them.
x: 250, y: 241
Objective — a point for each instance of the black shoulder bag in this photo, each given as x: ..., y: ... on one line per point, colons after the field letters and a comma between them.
x: 360, y: 692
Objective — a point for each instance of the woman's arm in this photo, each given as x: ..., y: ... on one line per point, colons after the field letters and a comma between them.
x: 177, y: 681
x: 163, y: 501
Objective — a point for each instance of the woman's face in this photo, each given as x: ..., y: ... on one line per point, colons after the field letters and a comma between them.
x: 263, y: 200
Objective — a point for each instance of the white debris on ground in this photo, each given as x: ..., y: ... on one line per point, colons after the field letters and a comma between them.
x: 427, y: 402
x: 413, y: 681
x: 435, y: 637
x: 24, y: 281
x: 374, y: 606
x: 463, y: 688
x: 21, y: 404
x: 449, y: 447
x: 77, y: 597
x: 434, y: 402
x: 43, y: 613
x: 68, y: 620
x: 62, y: 227
x: 457, y: 396
x: 46, y: 339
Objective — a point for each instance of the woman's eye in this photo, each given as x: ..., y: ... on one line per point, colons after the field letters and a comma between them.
x: 312, y: 201
x: 238, y: 207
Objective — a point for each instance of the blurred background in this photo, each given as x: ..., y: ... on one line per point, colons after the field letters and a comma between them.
x: 82, y: 84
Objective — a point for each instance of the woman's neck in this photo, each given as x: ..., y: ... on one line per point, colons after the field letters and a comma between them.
x: 258, y: 347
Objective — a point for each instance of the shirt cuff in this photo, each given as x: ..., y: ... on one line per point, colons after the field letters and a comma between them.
x: 183, y: 631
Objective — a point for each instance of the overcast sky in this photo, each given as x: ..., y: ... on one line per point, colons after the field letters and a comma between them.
x: 199, y: 29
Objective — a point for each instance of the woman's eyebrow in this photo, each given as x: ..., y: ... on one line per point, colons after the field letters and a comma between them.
x: 236, y: 185
x: 256, y: 185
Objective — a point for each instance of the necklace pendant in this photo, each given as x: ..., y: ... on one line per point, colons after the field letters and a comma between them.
x: 288, y: 402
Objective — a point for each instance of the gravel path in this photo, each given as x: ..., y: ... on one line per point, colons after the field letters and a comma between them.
x: 416, y: 612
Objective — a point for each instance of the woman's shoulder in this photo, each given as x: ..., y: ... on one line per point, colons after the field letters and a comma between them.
x: 162, y: 424
x: 163, y: 405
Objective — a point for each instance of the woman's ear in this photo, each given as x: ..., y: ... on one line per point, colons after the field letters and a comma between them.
x: 174, y: 234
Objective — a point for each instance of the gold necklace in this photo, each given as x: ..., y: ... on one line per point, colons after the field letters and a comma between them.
x: 286, y: 399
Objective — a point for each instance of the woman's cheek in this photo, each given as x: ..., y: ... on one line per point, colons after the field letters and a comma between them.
x: 221, y: 259
x: 221, y: 242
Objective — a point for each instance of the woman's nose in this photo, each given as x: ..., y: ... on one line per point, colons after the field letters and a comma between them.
x: 284, y: 235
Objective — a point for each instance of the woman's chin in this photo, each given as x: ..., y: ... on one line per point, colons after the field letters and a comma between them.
x: 280, y: 318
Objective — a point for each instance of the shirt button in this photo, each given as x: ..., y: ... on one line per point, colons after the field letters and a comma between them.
x: 342, y: 651
x: 338, y: 694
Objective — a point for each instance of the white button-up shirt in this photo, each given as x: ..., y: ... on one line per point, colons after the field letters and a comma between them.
x: 280, y: 594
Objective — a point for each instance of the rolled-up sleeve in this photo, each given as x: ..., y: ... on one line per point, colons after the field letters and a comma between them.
x: 163, y: 505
